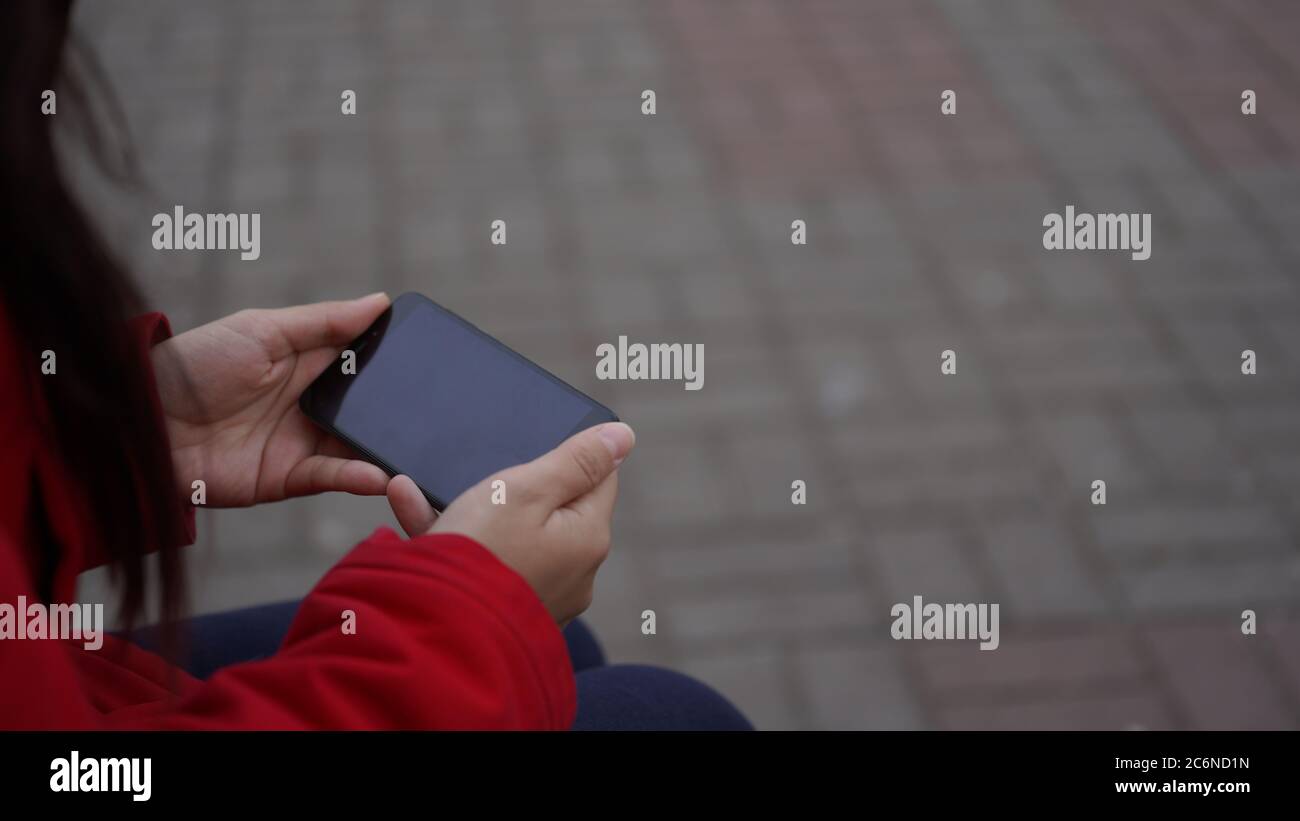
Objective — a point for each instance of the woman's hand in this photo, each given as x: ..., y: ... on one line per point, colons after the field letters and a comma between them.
x: 229, y: 390
x: 554, y: 527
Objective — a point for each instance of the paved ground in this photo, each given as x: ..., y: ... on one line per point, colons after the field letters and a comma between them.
x: 822, y: 360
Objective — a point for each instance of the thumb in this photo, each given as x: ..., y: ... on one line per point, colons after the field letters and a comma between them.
x: 324, y: 324
x: 579, y: 464
x: 413, y: 511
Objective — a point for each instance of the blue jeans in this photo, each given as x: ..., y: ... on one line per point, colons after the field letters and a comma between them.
x: 610, y: 697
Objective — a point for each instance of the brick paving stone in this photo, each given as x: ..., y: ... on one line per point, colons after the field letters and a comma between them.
x: 1283, y: 633
x: 1280, y: 472
x: 1027, y: 665
x: 1240, y: 529
x: 1089, y: 446
x: 1189, y: 446
x: 1141, y: 710
x: 743, y: 390
x: 958, y: 462
x: 749, y: 617
x: 1042, y: 570
x: 932, y: 562
x: 767, y: 465
x: 1080, y: 359
x: 1184, y: 586
x: 857, y: 688
x: 1219, y: 678
x: 848, y: 376
x: 697, y: 493
x: 771, y: 557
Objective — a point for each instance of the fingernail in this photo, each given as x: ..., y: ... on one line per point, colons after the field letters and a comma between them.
x: 619, y: 438
x: 384, y: 294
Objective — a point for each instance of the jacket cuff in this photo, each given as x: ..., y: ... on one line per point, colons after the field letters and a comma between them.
x: 525, y: 625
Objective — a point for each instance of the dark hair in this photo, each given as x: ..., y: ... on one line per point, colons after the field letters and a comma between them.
x: 61, y: 290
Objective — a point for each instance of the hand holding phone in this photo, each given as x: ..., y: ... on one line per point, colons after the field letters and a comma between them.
x: 554, y: 529
x: 449, y: 411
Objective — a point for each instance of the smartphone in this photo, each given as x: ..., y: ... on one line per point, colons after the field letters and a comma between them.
x: 439, y: 400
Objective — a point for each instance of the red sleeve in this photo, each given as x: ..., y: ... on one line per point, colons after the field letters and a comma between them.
x: 447, y: 637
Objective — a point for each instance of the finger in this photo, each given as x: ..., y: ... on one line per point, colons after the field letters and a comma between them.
x: 413, y: 511
x: 325, y: 474
x: 578, y: 465
x: 323, y: 324
x: 589, y: 518
x: 598, y: 505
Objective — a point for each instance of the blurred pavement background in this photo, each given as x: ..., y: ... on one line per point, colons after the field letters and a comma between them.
x: 822, y: 360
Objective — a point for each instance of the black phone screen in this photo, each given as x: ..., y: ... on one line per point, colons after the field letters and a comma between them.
x: 437, y: 399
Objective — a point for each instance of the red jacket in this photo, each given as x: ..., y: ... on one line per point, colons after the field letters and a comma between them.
x: 446, y: 635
